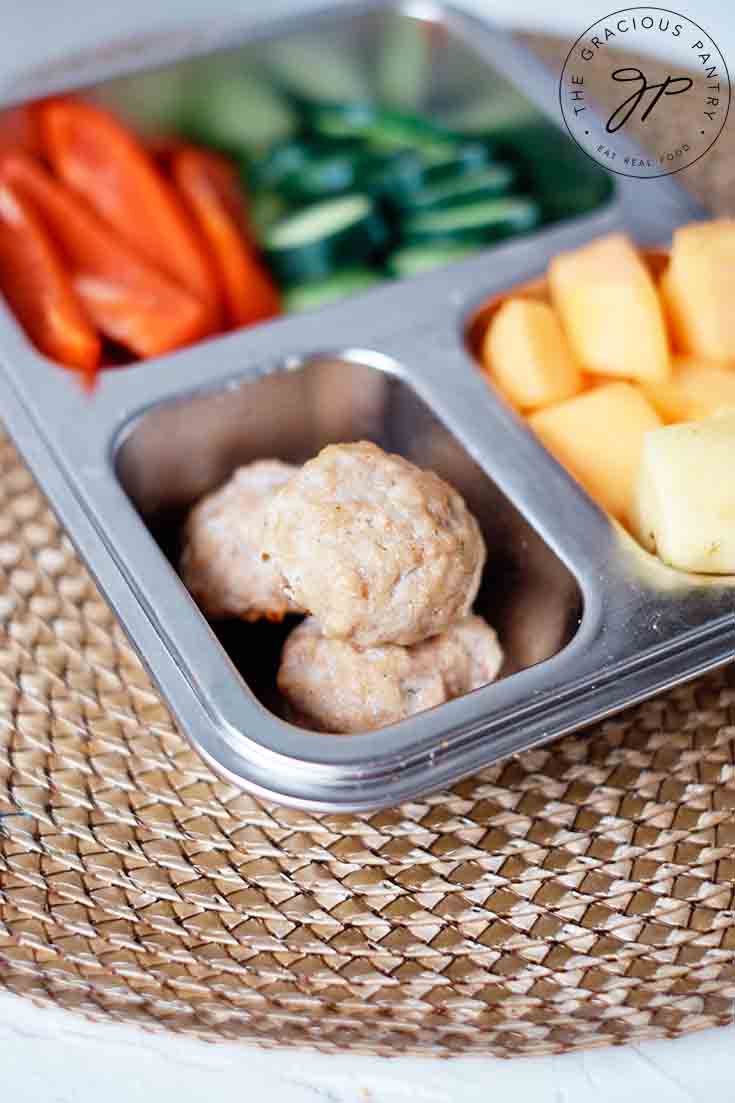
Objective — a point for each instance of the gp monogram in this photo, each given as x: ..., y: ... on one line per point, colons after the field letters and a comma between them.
x: 691, y: 87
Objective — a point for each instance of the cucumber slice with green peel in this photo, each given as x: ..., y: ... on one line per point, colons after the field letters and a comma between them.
x: 312, y: 243
x: 564, y: 180
x: 487, y: 183
x: 323, y: 175
x: 398, y: 178
x: 238, y: 113
x: 279, y: 162
x: 394, y: 178
x: 280, y: 165
x: 392, y: 130
x: 412, y: 260
x: 309, y: 296
x: 473, y: 222
x: 338, y: 122
x: 467, y: 157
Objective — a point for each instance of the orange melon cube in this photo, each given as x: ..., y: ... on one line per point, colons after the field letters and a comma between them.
x: 697, y: 289
x: 698, y: 389
x: 528, y: 356
x: 609, y: 307
x: 598, y: 436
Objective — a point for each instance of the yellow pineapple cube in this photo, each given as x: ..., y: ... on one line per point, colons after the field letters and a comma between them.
x: 685, y: 501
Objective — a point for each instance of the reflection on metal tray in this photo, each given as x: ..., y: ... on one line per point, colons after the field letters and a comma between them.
x: 590, y: 623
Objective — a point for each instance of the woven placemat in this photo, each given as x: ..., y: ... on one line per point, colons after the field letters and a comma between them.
x: 575, y: 896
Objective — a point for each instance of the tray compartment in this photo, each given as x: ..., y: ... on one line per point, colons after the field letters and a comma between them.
x: 537, y: 289
x: 352, y: 57
x: 179, y: 451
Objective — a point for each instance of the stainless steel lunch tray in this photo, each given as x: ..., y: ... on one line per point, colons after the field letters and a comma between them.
x: 589, y: 621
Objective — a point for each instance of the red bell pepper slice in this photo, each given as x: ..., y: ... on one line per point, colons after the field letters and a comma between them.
x: 39, y: 290
x: 210, y: 187
x: 107, y: 166
x: 129, y: 301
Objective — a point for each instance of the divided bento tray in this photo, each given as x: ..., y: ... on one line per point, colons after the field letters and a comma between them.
x: 589, y: 622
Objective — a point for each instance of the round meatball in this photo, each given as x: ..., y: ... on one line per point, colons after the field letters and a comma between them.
x: 377, y: 549
x: 332, y: 686
x: 222, y: 563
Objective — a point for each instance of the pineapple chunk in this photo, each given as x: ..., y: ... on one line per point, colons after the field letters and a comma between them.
x: 610, y: 309
x: 685, y: 507
x: 697, y: 289
x: 697, y: 389
x: 598, y: 437
x: 528, y: 355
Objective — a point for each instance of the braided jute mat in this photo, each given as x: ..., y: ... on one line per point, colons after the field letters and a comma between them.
x: 579, y: 895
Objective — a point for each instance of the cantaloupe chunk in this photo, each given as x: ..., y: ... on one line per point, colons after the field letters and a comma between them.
x: 697, y: 289
x: 528, y: 355
x: 609, y: 307
x: 598, y: 437
x: 685, y: 507
x: 697, y: 389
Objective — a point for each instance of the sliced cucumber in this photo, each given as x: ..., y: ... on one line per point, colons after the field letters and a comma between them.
x: 311, y: 243
x: 565, y: 180
x: 392, y: 130
x: 339, y: 122
x: 414, y: 259
x: 324, y: 175
x: 473, y: 222
x: 280, y: 161
x: 309, y: 296
x: 466, y: 157
x: 487, y: 183
x: 394, y: 178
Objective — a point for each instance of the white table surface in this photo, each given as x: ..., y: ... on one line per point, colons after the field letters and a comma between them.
x: 61, y: 1058
x: 48, y: 1056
